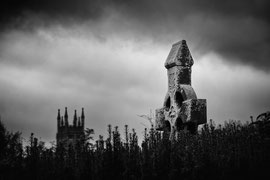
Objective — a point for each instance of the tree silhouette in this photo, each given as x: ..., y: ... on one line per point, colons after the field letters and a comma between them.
x: 228, y: 151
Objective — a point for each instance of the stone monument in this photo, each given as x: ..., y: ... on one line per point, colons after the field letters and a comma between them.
x: 181, y: 109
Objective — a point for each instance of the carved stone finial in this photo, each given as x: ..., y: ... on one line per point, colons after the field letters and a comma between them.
x: 179, y: 55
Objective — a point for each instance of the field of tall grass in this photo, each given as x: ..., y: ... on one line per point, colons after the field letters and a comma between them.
x: 229, y: 151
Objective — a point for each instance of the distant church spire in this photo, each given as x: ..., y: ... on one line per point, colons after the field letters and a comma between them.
x: 75, y: 118
x: 82, y: 118
x: 58, y: 118
x: 66, y: 117
x: 58, y: 115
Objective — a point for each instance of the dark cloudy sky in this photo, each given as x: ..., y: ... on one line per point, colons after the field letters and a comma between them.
x: 108, y: 57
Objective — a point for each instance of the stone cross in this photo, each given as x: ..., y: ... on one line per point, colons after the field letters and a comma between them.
x: 181, y: 109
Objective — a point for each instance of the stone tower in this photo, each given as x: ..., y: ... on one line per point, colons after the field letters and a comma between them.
x: 181, y: 109
x: 69, y: 134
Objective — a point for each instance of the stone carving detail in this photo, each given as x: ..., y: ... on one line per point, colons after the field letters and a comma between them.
x: 181, y: 109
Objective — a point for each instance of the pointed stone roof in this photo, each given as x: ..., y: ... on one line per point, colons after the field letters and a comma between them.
x: 179, y: 55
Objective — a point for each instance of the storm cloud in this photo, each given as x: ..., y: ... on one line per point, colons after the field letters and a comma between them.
x: 108, y: 57
x: 237, y: 30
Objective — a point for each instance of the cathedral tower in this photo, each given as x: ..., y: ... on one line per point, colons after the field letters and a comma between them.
x: 69, y: 134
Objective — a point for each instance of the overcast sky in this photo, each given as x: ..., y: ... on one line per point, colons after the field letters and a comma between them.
x: 108, y: 57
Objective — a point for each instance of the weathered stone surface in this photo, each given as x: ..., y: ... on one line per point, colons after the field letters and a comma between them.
x: 179, y: 55
x: 160, y: 119
x: 181, y: 108
x: 188, y: 92
x: 194, y: 110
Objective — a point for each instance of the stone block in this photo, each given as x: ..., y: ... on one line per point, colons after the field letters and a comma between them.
x: 193, y: 110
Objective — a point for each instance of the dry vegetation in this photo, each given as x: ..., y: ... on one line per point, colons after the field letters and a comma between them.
x: 230, y: 151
